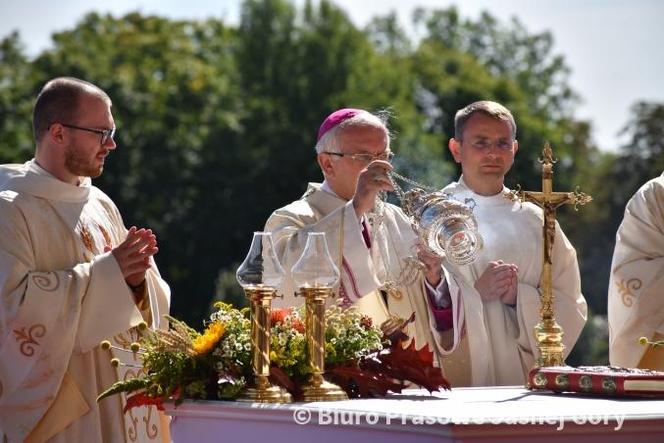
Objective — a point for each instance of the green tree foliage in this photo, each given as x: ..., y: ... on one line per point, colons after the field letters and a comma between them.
x: 460, y: 61
x: 615, y: 179
x: 506, y: 51
x: 592, y: 347
x: 292, y: 67
x: 173, y: 86
x: 217, y: 123
x: 16, y: 96
x: 642, y: 157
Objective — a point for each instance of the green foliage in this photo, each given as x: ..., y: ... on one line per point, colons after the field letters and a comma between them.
x: 349, y: 337
x: 131, y: 385
x: 508, y: 51
x: 176, y: 109
x: 227, y: 289
x: 16, y: 98
x: 615, y: 179
x: 592, y: 347
x: 642, y: 158
x: 460, y: 61
x: 217, y: 364
x: 216, y: 123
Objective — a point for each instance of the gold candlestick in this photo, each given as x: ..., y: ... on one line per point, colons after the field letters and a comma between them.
x: 263, y: 392
x: 316, y: 274
x: 548, y: 332
x: 318, y: 389
x: 259, y: 275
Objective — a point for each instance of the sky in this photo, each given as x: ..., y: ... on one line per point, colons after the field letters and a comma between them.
x: 613, y: 47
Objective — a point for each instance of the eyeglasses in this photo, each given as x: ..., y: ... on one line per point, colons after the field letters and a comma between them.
x: 106, y: 134
x: 485, y: 145
x: 365, y: 158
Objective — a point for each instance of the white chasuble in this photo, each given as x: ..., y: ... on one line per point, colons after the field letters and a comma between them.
x: 365, y: 269
x: 636, y: 286
x: 500, y: 338
x: 61, y: 295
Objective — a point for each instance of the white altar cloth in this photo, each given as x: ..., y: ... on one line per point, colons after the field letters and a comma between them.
x: 497, y: 414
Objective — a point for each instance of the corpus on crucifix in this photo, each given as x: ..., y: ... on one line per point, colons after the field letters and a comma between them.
x: 548, y: 332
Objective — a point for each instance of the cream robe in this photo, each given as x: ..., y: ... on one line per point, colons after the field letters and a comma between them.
x: 61, y: 295
x: 500, y: 339
x: 363, y: 270
x: 636, y: 286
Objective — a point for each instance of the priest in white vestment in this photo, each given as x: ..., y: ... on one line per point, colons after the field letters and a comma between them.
x: 636, y: 286
x: 71, y: 276
x: 500, y: 290
x: 371, y: 242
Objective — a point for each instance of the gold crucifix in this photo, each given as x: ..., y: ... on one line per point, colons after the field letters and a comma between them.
x: 548, y: 332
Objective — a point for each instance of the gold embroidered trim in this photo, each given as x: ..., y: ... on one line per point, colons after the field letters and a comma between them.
x: 627, y: 289
x: 392, y: 291
x: 27, y: 340
x: 132, y: 432
x: 107, y: 237
x: 87, y: 239
x: 124, y: 341
x: 49, y: 282
x: 151, y: 429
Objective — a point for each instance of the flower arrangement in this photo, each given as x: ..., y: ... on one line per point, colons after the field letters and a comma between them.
x: 363, y: 359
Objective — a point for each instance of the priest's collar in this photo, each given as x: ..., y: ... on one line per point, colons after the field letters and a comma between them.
x: 30, y: 178
x: 461, y: 185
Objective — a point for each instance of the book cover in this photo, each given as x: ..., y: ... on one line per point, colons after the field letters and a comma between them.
x: 599, y: 380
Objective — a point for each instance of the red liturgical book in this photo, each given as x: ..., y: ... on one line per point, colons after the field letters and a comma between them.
x: 602, y: 380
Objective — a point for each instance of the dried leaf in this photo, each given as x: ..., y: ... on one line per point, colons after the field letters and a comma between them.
x: 279, y: 377
x: 412, y: 365
x: 142, y: 399
x: 359, y: 383
x: 388, y: 371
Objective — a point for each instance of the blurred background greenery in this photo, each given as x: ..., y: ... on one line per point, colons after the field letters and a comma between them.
x: 217, y: 122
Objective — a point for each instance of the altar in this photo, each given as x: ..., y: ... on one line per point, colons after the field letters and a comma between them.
x: 496, y: 414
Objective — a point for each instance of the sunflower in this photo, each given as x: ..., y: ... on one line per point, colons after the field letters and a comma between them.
x: 205, y: 342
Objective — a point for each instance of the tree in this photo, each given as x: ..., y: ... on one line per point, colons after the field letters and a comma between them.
x: 509, y: 51
x: 16, y: 96
x: 217, y: 123
x: 616, y: 179
x: 175, y: 105
x: 642, y: 157
x: 461, y: 61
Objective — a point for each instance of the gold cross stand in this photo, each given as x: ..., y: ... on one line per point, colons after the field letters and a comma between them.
x: 548, y: 332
